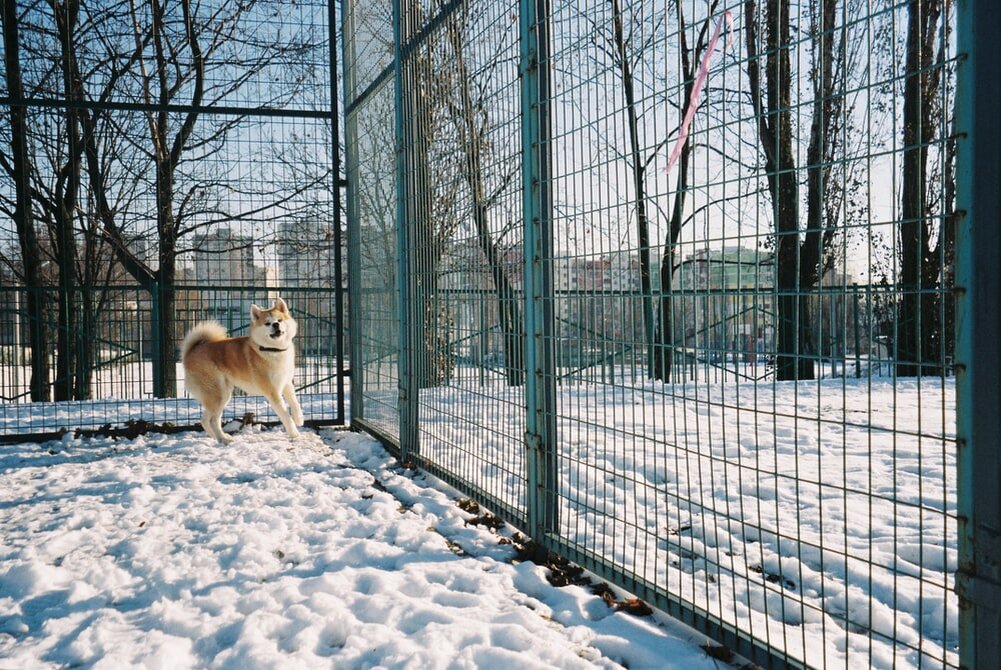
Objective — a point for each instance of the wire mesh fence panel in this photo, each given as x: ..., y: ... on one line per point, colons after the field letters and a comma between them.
x: 740, y: 403
x: 427, y: 153
x: 462, y: 100
x: 159, y: 173
x: 753, y: 433
x: 372, y: 204
x: 112, y: 381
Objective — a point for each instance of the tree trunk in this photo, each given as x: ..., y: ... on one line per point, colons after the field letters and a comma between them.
x: 664, y: 356
x: 638, y: 170
x: 86, y: 343
x: 917, y: 321
x: 35, y: 299
x: 818, y: 228
x: 167, y: 157
x: 165, y: 360
x: 793, y: 360
x: 793, y: 334
x: 67, y: 190
x: 431, y: 349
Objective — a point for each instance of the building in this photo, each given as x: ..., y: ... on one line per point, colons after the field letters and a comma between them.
x: 226, y: 278
x: 724, y: 302
x: 307, y: 259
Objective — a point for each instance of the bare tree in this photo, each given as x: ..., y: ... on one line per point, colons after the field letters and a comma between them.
x: 92, y: 175
x: 71, y: 246
x: 169, y: 66
x: 638, y: 165
x: 664, y: 351
x: 800, y: 255
x: 19, y: 167
x: 470, y: 114
x: 924, y: 324
x: 429, y: 224
x: 626, y: 49
x: 775, y: 133
x: 64, y: 201
x: 821, y: 222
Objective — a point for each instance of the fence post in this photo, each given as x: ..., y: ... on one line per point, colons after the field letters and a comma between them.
x: 155, y: 346
x: 405, y: 310
x: 540, y: 404
x: 335, y: 133
x: 978, y: 333
x: 351, y: 161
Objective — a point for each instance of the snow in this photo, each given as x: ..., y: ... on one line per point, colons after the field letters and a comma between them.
x: 819, y: 517
x: 171, y: 551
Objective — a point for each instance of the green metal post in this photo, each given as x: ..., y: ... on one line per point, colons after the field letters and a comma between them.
x: 978, y: 332
x: 156, y: 348
x: 540, y: 428
x: 349, y: 85
x: 335, y: 133
x: 407, y: 379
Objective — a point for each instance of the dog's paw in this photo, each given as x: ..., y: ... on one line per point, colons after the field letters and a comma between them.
x: 297, y: 417
x: 293, y: 434
x: 225, y: 439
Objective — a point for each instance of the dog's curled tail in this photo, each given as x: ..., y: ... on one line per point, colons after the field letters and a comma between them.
x: 206, y: 331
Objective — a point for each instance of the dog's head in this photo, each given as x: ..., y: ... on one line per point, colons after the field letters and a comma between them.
x: 274, y: 327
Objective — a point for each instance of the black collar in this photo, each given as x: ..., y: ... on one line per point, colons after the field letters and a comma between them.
x: 271, y: 349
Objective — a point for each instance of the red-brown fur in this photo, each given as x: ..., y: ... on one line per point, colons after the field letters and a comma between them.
x: 214, y: 364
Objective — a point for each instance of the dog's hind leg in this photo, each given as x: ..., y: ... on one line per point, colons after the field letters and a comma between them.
x: 212, y: 422
x: 293, y: 403
x: 214, y: 403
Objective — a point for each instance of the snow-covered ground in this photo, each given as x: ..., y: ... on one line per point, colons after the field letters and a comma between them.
x: 819, y: 516
x: 171, y: 551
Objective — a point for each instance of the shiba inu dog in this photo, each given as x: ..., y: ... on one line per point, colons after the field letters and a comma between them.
x: 261, y: 364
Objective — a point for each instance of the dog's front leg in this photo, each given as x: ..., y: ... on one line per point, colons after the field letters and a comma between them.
x: 276, y: 404
x: 296, y: 410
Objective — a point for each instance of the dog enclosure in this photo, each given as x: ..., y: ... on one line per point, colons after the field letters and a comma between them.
x: 674, y: 286
x: 162, y: 168
x: 699, y: 294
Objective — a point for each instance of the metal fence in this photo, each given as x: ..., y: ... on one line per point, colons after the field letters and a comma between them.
x: 163, y: 164
x: 670, y: 287
x: 113, y: 383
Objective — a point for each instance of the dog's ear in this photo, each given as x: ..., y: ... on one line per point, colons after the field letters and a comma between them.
x: 280, y: 305
x: 255, y: 312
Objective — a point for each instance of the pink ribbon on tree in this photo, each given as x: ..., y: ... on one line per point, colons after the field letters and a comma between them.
x: 698, y: 85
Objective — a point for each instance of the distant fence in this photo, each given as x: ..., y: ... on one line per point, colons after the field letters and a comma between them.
x: 727, y: 381
x: 111, y: 381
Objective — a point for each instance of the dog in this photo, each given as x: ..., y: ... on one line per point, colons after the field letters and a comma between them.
x: 261, y: 364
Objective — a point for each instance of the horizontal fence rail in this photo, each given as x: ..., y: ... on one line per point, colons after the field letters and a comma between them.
x: 670, y: 287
